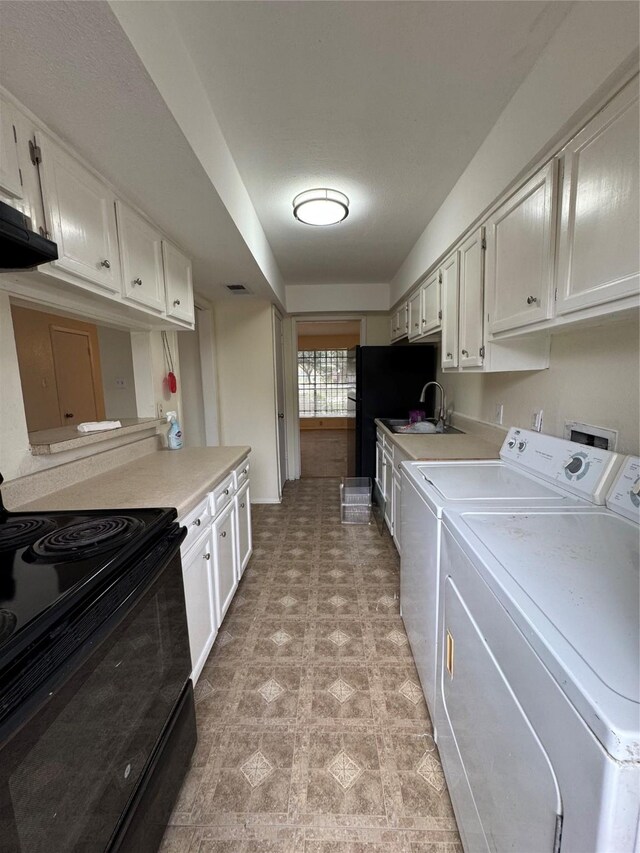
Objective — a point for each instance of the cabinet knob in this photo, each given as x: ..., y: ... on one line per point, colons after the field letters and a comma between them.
x: 244, y: 471
x: 531, y: 300
x: 197, y: 522
x: 415, y: 325
x: 68, y: 414
x: 223, y: 534
x: 242, y: 506
x: 424, y: 320
x: 207, y: 556
x: 226, y: 491
x: 465, y: 352
x: 138, y: 281
x: 106, y: 264
x: 176, y: 302
x: 449, y: 355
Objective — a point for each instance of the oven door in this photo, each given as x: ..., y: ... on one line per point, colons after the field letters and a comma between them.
x: 73, y: 753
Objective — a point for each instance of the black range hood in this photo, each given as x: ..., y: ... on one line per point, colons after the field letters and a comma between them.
x: 21, y: 248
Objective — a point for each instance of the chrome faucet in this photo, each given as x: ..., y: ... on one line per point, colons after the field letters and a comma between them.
x: 439, y: 414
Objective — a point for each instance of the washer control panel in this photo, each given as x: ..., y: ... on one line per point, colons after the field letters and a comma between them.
x: 585, y: 471
x: 624, y: 497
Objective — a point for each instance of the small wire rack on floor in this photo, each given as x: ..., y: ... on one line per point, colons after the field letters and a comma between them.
x: 355, y: 500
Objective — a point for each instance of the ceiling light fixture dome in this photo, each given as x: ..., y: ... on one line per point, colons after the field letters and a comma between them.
x: 321, y: 207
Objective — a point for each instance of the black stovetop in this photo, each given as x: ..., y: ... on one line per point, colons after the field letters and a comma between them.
x: 50, y: 560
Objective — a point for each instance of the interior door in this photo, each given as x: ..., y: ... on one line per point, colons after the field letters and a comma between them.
x: 281, y: 426
x: 75, y: 379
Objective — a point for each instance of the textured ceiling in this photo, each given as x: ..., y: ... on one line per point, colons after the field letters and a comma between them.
x: 386, y: 101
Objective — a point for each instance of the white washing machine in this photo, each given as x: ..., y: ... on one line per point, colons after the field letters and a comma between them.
x: 538, y: 700
x: 533, y: 470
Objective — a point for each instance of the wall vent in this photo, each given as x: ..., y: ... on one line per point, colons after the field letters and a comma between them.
x: 237, y: 289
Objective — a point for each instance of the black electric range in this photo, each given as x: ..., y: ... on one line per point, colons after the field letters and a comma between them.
x: 96, y: 704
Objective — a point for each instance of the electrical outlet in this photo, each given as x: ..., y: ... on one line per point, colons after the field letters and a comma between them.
x: 160, y: 407
x: 536, y: 420
x: 499, y: 413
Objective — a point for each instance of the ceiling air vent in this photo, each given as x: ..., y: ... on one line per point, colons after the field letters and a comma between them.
x: 237, y: 289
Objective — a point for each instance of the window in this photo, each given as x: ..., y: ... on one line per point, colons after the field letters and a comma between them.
x: 322, y: 383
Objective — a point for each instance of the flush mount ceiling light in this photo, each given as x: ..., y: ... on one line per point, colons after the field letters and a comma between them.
x: 321, y: 207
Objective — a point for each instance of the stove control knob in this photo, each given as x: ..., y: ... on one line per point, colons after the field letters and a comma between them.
x: 522, y: 444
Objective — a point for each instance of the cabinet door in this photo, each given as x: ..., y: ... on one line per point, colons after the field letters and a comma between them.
x: 520, y: 239
x: 387, y: 470
x: 450, y: 283
x: 243, y: 528
x: 471, y: 334
x: 380, y: 468
x: 430, y: 305
x: 10, y: 181
x: 404, y: 320
x: 392, y: 326
x: 141, y: 257
x: 178, y: 281
x: 599, y: 224
x: 224, y: 559
x: 415, y: 315
x: 81, y: 218
x: 199, y: 598
x: 396, y: 503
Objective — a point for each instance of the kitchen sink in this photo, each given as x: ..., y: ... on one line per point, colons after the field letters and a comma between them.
x: 402, y: 426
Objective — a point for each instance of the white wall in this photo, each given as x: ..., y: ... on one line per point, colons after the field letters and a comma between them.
x: 191, y: 384
x: 574, y: 71
x: 594, y: 377
x: 246, y: 390
x: 377, y: 330
x: 323, y: 298
x: 117, y: 364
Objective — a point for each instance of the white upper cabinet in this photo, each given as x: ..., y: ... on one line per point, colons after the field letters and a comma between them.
x: 430, y: 315
x: 450, y: 271
x: 178, y: 283
x: 599, y: 224
x: 415, y: 315
x: 10, y: 179
x: 141, y: 258
x: 471, y: 330
x: 520, y: 251
x: 80, y: 216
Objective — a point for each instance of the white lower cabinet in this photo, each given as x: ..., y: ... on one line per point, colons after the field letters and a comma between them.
x: 224, y: 559
x: 395, y: 502
x: 214, y: 555
x: 243, y: 528
x: 387, y: 477
x: 199, y: 594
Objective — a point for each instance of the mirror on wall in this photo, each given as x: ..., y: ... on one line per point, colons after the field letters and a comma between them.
x: 72, y: 371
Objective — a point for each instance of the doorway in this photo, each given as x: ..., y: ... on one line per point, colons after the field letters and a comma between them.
x: 322, y: 347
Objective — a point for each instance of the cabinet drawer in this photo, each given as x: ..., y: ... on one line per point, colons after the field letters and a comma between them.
x: 222, y: 494
x: 196, y: 522
x: 241, y: 474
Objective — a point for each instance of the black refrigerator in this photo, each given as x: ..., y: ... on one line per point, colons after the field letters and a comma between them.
x: 384, y: 382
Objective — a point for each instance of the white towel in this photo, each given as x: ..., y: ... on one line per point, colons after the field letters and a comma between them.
x: 97, y: 426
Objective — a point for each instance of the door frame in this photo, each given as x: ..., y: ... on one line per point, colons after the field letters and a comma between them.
x: 292, y: 416
x: 275, y: 314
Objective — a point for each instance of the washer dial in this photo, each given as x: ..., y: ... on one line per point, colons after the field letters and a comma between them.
x: 576, y: 466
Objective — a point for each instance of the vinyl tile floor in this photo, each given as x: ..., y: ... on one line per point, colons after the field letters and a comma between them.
x: 313, y: 734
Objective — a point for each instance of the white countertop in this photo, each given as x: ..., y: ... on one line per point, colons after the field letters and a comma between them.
x: 178, y: 478
x: 449, y: 446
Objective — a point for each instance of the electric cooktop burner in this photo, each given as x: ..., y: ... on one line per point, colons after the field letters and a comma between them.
x: 23, y: 530
x: 8, y: 622
x: 86, y: 538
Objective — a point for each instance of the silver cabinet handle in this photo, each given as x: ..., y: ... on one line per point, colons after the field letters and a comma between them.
x: 465, y: 352
x: 207, y: 556
x: 244, y: 471
x: 226, y: 491
x: 176, y: 302
x: 223, y: 534
x: 138, y: 281
x: 531, y: 300
x: 197, y: 522
x: 415, y: 325
x: 105, y: 264
x: 241, y: 506
x: 424, y: 320
x: 449, y: 355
